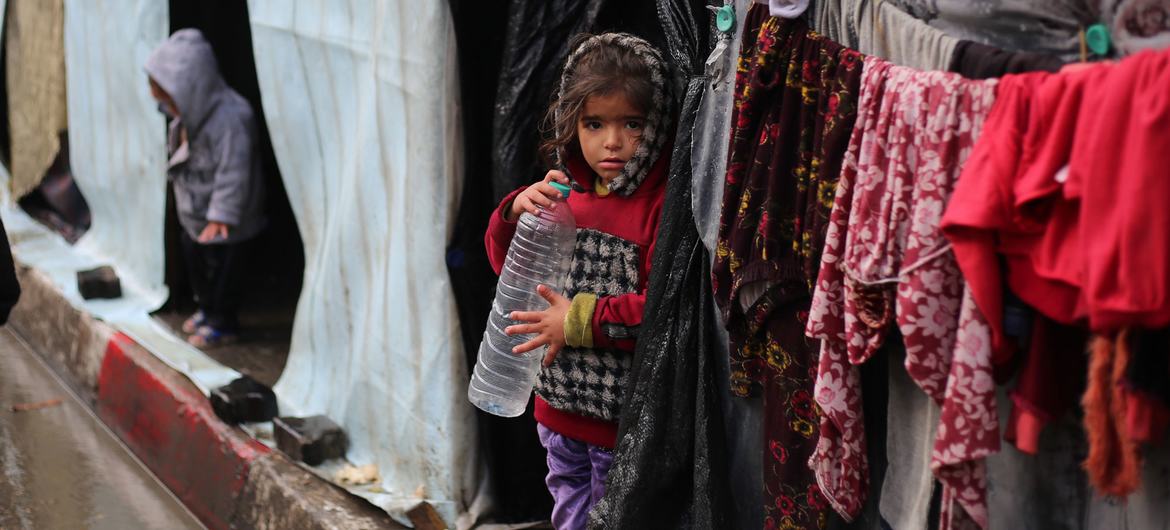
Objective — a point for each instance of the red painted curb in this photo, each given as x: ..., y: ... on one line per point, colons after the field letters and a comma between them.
x: 169, y: 424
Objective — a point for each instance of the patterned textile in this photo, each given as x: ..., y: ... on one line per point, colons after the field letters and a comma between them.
x: 791, y: 494
x: 886, y: 264
x: 794, y: 108
x: 795, y: 103
x: 589, y: 381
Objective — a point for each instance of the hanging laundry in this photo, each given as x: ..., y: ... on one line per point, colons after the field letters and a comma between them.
x: 1050, y: 380
x: 974, y: 60
x: 881, y: 29
x: 795, y: 102
x: 1047, y: 26
x: 886, y: 264
x: 1059, y: 149
x: 713, y: 130
x: 743, y: 417
x: 785, y: 8
x: 1116, y: 171
x: 1041, y: 26
x: 1123, y: 409
x: 1113, y: 464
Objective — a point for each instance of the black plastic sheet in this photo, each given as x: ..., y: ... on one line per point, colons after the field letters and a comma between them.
x: 512, y: 453
x: 669, y: 468
x: 536, y: 43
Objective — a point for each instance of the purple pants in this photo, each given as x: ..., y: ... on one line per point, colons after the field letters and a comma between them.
x: 576, y: 477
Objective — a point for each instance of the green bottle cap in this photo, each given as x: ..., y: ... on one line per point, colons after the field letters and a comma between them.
x: 1097, y: 36
x: 563, y: 188
x: 725, y: 19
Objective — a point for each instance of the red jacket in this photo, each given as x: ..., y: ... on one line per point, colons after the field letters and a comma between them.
x: 633, y: 221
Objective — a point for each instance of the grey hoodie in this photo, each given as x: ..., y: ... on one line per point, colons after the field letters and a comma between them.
x: 216, y: 171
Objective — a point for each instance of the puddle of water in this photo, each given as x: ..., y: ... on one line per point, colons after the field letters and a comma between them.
x: 60, y: 468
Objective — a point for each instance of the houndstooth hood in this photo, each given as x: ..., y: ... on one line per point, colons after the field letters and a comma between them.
x: 659, y: 119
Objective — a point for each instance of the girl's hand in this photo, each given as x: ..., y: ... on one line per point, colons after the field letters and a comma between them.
x: 541, y: 194
x: 549, y: 325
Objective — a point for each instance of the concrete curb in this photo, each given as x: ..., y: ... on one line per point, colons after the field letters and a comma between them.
x: 227, y: 479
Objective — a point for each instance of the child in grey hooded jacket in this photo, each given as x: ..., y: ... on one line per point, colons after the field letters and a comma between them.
x: 214, y: 169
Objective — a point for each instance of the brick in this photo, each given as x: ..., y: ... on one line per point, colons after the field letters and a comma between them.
x: 424, y: 517
x: 101, y: 282
x: 310, y: 440
x: 244, y: 400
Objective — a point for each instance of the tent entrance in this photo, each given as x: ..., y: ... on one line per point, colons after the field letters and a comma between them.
x: 277, y: 256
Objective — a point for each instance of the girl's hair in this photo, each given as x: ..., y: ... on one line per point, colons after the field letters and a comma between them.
x: 605, y: 69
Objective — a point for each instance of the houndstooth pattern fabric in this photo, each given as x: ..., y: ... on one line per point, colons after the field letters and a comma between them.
x: 589, y: 381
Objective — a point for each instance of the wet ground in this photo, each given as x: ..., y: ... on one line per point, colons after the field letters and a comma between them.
x: 262, y: 349
x: 60, y: 467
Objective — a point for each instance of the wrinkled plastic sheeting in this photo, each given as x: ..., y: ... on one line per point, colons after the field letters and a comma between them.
x: 360, y: 99
x: 537, y: 42
x: 117, y: 137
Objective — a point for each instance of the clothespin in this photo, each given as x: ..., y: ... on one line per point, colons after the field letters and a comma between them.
x: 724, y: 17
x: 1098, y: 40
x: 1095, y: 39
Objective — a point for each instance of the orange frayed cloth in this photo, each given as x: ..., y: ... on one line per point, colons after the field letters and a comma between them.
x: 1113, y: 464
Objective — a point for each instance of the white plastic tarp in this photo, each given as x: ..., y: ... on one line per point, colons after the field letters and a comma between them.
x: 360, y: 100
x: 116, y: 136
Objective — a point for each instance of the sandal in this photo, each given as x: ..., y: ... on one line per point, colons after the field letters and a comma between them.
x: 209, y: 337
x: 192, y: 324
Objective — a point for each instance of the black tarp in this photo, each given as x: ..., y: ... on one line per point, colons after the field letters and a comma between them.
x: 535, y: 46
x: 509, y: 446
x: 669, y: 467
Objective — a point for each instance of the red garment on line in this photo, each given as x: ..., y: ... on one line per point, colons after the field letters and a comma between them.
x: 886, y: 264
x: 1069, y: 186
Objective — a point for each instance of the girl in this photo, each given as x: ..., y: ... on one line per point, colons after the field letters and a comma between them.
x: 609, y: 126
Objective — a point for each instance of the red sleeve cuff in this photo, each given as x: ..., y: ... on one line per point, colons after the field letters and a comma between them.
x: 499, y: 232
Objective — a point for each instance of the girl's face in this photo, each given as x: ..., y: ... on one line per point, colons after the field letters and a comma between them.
x: 609, y: 131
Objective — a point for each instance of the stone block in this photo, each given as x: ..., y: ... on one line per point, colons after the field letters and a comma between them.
x: 310, y: 440
x: 244, y: 400
x: 101, y: 282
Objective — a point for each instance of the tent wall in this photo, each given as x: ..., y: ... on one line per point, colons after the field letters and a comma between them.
x: 117, y: 136
x: 360, y: 103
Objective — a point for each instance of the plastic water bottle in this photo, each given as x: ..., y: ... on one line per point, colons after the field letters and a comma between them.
x: 541, y: 252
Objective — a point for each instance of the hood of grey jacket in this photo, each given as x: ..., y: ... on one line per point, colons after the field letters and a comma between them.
x: 185, y: 67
